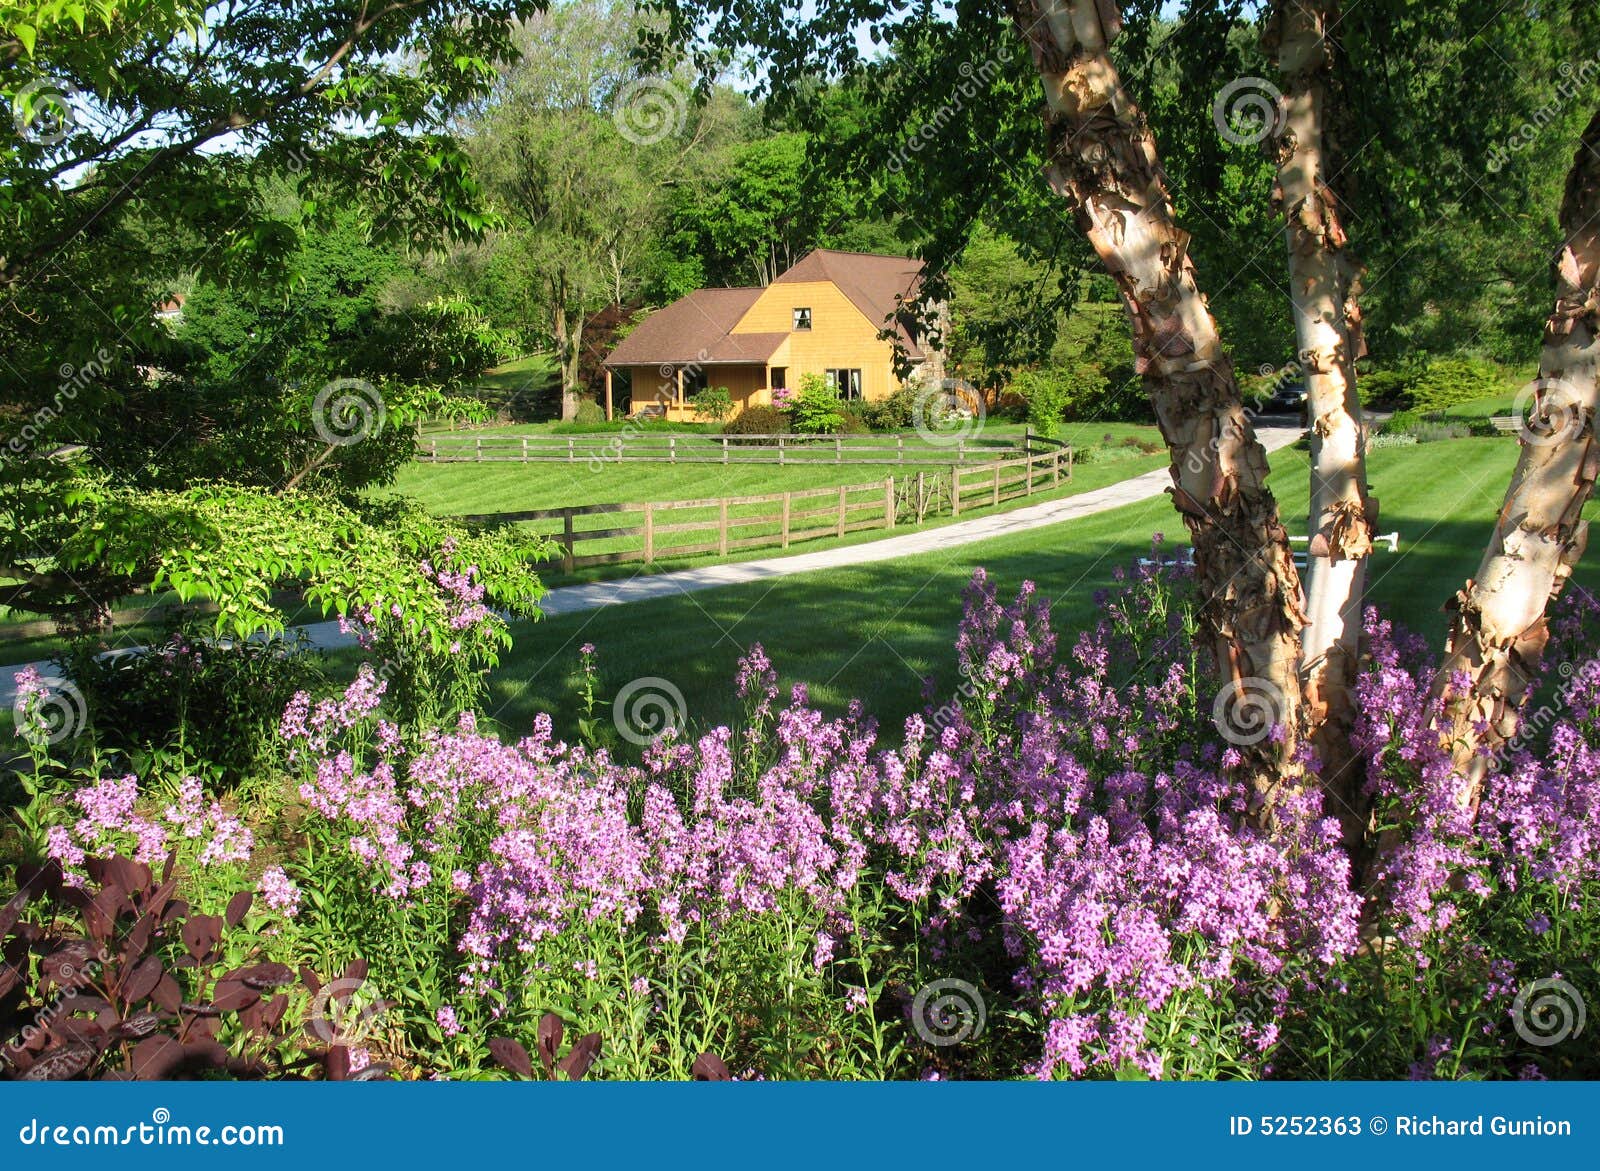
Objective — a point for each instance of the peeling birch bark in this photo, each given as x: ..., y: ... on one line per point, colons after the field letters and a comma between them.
x: 1102, y: 159
x: 1499, y: 630
x: 1323, y: 286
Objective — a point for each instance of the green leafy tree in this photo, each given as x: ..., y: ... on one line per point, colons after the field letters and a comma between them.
x: 169, y: 143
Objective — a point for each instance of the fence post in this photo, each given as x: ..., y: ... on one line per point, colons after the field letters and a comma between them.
x: 649, y: 533
x: 433, y: 450
x: 722, y: 527
x: 961, y: 451
x: 838, y: 449
x: 1055, y: 468
x: 888, y: 503
x: 899, y: 449
x: 672, y: 449
x: 997, y: 485
x: 524, y: 449
x: 922, y: 496
x: 786, y: 520
x: 572, y: 456
x: 1030, y: 465
x: 1069, y: 463
x: 1027, y: 439
x: 724, y: 449
x: 843, y: 492
x: 955, y: 492
x: 780, y: 451
x: 478, y: 448
x: 566, y: 540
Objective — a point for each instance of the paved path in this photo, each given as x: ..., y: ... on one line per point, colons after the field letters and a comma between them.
x: 578, y: 598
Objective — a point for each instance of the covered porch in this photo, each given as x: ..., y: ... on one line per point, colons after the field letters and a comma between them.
x: 666, y: 390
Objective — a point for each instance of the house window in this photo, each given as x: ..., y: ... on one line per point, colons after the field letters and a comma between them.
x: 846, y: 382
x: 780, y: 377
x: 802, y: 319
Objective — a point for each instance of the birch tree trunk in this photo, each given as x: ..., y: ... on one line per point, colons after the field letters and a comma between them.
x: 1499, y: 630
x: 1327, y: 321
x: 1102, y: 158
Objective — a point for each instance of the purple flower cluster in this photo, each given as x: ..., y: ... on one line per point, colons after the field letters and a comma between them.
x: 1538, y: 815
x: 202, y: 829
x: 1089, y: 795
x: 1123, y: 866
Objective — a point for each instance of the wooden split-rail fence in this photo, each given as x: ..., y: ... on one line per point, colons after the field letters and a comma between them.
x: 689, y: 448
x: 671, y: 529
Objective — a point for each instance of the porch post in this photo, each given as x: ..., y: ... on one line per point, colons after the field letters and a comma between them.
x: 608, y: 394
x: 680, y: 385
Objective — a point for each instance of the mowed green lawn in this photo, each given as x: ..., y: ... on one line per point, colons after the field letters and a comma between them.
x: 454, y: 489
x: 875, y: 631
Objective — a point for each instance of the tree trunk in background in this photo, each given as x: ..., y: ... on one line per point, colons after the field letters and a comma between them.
x: 566, y: 359
x: 1499, y: 630
x: 1328, y: 334
x: 1102, y: 159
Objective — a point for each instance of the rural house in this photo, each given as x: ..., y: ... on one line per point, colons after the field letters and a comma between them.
x: 838, y: 315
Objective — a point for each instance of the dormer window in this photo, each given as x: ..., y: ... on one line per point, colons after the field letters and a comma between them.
x: 802, y: 319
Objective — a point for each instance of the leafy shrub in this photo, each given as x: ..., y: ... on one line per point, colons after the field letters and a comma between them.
x: 1432, y: 426
x: 1448, y: 382
x: 895, y: 413
x: 1432, y: 385
x: 589, y: 413
x: 817, y: 409
x: 757, y: 420
x: 1381, y: 439
x: 213, y: 701
x: 1384, y: 389
x: 1047, y: 394
x: 715, y: 403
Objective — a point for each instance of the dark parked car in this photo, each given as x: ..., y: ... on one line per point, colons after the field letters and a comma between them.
x: 1287, y: 398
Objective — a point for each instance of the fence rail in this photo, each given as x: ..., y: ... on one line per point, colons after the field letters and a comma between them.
x: 668, y: 529
x: 711, y: 449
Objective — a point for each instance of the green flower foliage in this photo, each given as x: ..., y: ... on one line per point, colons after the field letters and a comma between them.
x: 236, y: 547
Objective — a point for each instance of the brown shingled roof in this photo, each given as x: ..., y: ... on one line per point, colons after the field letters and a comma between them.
x: 876, y: 285
x: 688, y: 330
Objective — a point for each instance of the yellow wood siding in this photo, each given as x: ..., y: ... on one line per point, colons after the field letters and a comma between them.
x: 840, y: 336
